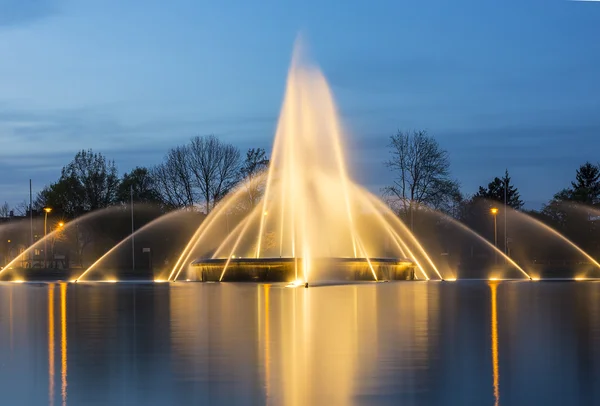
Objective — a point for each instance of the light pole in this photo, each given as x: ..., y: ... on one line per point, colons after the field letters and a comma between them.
x: 495, y: 213
x: 46, y: 211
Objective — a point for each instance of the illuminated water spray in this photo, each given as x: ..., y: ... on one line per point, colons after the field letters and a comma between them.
x: 310, y: 209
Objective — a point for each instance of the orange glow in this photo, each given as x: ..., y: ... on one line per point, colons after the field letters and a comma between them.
x: 51, y: 344
x: 495, y: 360
x: 47, y: 209
x: 267, y: 340
x: 298, y: 216
x: 18, y: 281
x: 295, y: 284
x: 63, y: 341
x: 494, y: 210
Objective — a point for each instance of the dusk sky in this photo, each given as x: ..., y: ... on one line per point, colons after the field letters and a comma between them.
x: 512, y: 84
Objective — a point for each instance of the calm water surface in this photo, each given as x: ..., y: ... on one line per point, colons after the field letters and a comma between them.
x: 409, y: 343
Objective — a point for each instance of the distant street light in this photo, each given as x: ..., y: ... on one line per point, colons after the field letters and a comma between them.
x: 494, y: 211
x: 46, y: 211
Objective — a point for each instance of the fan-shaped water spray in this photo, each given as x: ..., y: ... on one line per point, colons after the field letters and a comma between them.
x: 173, y: 219
x: 69, y: 226
x: 534, y: 236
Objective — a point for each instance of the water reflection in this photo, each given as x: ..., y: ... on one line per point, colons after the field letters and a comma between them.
x: 63, y: 342
x: 51, y: 344
x: 495, y: 362
x: 378, y: 344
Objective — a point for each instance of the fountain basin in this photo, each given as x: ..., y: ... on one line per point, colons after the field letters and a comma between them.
x: 291, y: 269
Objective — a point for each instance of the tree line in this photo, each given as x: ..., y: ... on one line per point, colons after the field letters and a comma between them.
x: 195, y: 175
x: 198, y: 174
x: 422, y: 180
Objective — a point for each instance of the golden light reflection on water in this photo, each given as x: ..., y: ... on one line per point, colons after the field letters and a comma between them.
x: 495, y: 362
x: 311, y: 367
x: 306, y: 346
x: 267, y: 340
x: 63, y: 342
x: 51, y: 344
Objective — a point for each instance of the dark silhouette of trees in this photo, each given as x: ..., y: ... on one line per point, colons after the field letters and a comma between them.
x: 498, y: 188
x: 141, y: 182
x: 4, y: 210
x: 421, y: 173
x: 215, y: 166
x: 252, y: 173
x: 199, y: 173
x: 89, y: 182
x: 586, y: 187
x: 174, y: 179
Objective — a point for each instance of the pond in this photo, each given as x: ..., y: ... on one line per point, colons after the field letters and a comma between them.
x: 409, y: 343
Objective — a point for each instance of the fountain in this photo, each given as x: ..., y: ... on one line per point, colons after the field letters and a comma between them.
x: 313, y: 222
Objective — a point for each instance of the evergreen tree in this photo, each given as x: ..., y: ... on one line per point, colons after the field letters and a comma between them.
x: 496, y: 190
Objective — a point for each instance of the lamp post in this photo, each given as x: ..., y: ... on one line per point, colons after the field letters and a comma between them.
x: 46, y: 211
x: 494, y: 212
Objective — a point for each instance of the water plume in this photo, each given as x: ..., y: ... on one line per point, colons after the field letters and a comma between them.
x: 311, y: 209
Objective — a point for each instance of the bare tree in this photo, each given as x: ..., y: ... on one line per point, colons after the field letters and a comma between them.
x: 4, y: 210
x: 422, y: 173
x: 215, y: 166
x: 22, y: 209
x: 252, y: 173
x: 174, y: 178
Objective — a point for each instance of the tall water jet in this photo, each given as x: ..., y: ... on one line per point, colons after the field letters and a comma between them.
x: 313, y: 221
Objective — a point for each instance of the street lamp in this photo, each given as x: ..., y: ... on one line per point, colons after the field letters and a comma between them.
x: 46, y: 211
x: 494, y: 211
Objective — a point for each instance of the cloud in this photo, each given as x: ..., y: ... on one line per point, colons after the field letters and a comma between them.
x: 18, y: 12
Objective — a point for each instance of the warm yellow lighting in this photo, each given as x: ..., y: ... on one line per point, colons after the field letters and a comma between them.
x: 111, y: 281
x: 233, y: 256
x: 493, y: 279
x: 495, y: 357
x: 159, y: 280
x: 579, y: 278
x: 18, y: 281
x: 494, y: 210
x: 295, y: 284
x: 265, y: 213
x: 47, y: 209
x: 63, y: 342
x: 450, y: 279
x: 60, y: 224
x: 535, y: 278
x: 51, y: 341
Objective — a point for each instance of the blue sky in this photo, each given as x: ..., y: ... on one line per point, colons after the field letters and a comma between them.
x: 512, y: 84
